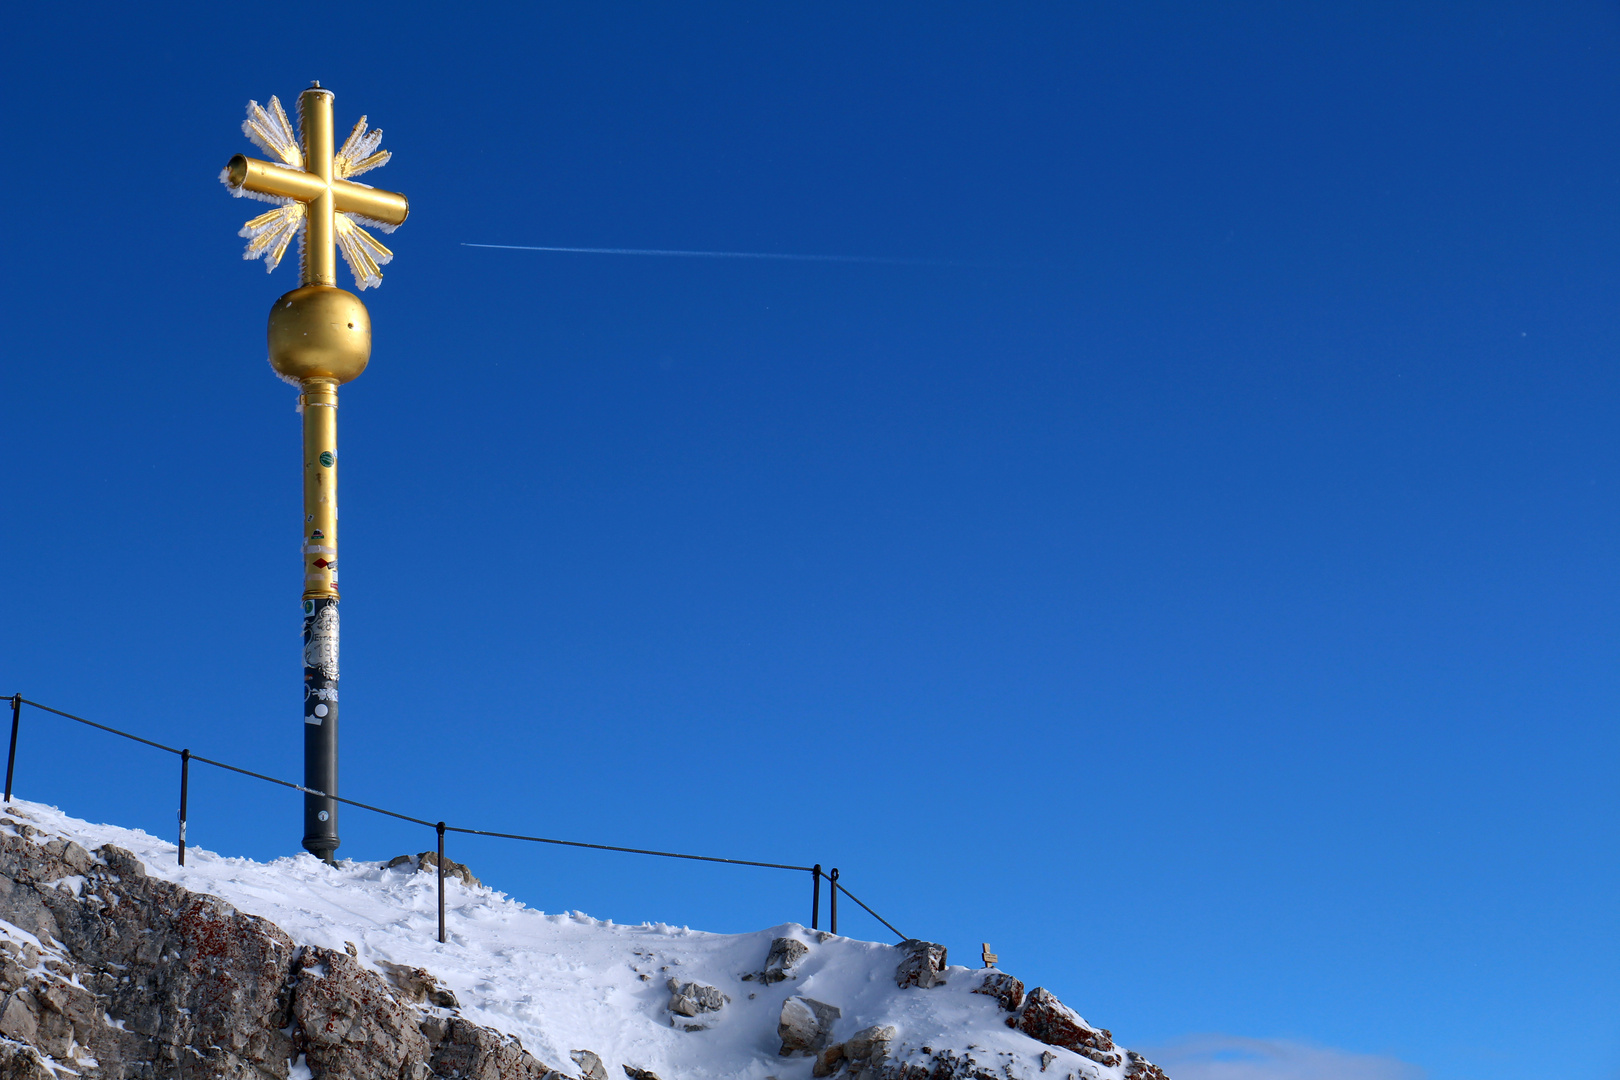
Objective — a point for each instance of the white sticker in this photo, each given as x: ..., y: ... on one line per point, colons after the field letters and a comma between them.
x: 321, y: 650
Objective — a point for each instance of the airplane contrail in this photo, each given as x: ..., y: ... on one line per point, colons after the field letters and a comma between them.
x: 725, y: 255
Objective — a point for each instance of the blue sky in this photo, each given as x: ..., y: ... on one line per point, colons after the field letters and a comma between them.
x: 1203, y: 591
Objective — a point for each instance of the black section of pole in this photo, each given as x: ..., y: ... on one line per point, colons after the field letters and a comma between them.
x: 11, y: 758
x: 321, y: 726
x: 815, y: 896
x: 440, y: 827
x: 185, y: 780
x: 832, y: 885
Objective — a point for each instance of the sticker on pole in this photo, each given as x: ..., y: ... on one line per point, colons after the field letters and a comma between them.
x: 326, y: 459
x: 321, y: 642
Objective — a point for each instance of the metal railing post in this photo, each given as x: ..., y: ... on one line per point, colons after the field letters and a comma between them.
x: 832, y: 883
x: 11, y: 758
x: 815, y: 896
x: 440, y: 827
x: 185, y: 781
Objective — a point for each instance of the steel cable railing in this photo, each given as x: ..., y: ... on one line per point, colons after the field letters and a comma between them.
x: 440, y: 828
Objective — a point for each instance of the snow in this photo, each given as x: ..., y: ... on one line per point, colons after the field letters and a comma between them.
x: 565, y: 982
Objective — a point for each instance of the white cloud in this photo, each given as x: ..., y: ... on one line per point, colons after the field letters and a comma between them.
x: 1231, y: 1057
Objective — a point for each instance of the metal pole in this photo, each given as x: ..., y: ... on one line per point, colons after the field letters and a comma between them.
x: 11, y: 758
x: 319, y: 403
x: 815, y: 896
x: 185, y: 775
x: 832, y: 881
x: 440, y: 827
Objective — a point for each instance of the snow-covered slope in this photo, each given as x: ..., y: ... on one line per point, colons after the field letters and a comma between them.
x: 568, y: 982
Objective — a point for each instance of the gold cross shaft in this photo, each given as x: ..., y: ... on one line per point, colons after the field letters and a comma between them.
x: 313, y: 176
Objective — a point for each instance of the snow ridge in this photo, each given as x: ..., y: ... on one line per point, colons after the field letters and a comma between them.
x: 562, y: 983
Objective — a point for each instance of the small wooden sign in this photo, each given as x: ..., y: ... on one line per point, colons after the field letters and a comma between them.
x: 990, y: 958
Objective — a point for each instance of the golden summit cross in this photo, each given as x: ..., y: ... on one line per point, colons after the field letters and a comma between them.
x: 319, y: 338
x: 314, y: 189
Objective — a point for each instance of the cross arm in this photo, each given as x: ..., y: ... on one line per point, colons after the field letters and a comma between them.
x: 388, y: 207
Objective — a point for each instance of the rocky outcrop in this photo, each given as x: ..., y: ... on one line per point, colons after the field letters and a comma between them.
x: 187, y: 981
x: 1007, y: 991
x: 805, y: 1025
x: 466, y: 1050
x: 924, y: 965
x: 781, y: 962
x: 352, y: 1026
x: 870, y: 1042
x: 783, y: 959
x: 864, y: 1053
x: 952, y: 1065
x: 108, y: 973
x: 1042, y: 1016
x: 690, y: 999
x: 1046, y: 1018
x: 590, y: 1065
x: 418, y: 986
x: 1140, y: 1068
x: 429, y: 861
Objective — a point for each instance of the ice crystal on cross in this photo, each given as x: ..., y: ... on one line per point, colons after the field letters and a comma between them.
x: 359, y: 153
x: 269, y: 234
x: 361, y: 251
x: 271, y: 133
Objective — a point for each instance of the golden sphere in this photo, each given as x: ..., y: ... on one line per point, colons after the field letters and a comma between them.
x: 319, y: 332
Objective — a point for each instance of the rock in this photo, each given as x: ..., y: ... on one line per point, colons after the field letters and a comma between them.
x: 140, y: 979
x: 1140, y: 1068
x: 19, y: 1019
x: 783, y: 958
x: 1046, y: 1018
x: 429, y: 860
x: 1008, y: 991
x: 75, y: 857
x: 175, y: 968
x: 870, y: 1042
x: 121, y: 862
x: 413, y: 983
x: 805, y: 1025
x: 694, y: 999
x: 1047, y: 1057
x: 640, y: 1074
x: 477, y: 1053
x: 434, y: 1029
x: 590, y: 1066
x: 22, y: 1063
x: 418, y: 986
x: 923, y: 966
x: 949, y: 1065
x: 352, y: 1026
x: 828, y: 1061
